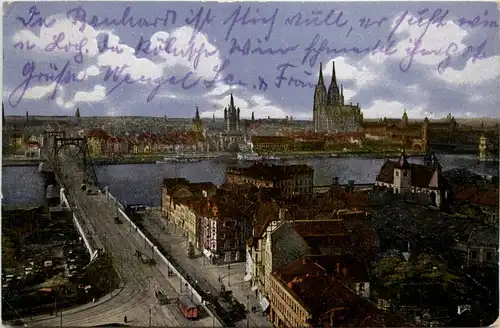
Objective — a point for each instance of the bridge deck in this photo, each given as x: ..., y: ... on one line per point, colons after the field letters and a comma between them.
x: 96, y: 215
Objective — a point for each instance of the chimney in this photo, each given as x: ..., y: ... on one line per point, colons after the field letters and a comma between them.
x: 344, y: 271
x: 338, y: 268
x: 204, y: 193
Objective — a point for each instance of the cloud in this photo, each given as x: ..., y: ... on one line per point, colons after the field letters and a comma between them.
x: 92, y: 70
x: 357, y: 72
x: 200, y: 56
x: 381, y: 108
x: 474, y: 73
x: 72, y: 41
x: 135, y: 67
x: 40, y: 91
x: 257, y: 104
x: 98, y: 94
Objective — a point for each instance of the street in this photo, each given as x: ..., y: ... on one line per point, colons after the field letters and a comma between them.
x: 204, y: 272
x: 137, y: 300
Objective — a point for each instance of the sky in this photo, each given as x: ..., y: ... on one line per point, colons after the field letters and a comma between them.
x: 167, y: 58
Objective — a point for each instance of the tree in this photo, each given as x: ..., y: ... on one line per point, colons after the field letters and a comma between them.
x: 391, y: 272
x: 77, y: 113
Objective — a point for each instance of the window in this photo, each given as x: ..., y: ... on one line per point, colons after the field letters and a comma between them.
x: 474, y: 254
x: 397, y: 173
x: 405, y: 173
x: 489, y: 256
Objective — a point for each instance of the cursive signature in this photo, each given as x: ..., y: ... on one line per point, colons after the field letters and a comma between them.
x: 61, y: 76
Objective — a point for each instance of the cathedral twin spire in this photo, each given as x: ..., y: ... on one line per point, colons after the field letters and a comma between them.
x: 334, y: 95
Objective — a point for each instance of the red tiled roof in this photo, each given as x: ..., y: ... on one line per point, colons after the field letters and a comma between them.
x: 97, y: 133
x: 421, y: 175
x: 476, y: 195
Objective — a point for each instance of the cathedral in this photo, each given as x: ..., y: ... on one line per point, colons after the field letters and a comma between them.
x: 232, y: 117
x: 232, y: 138
x: 330, y: 114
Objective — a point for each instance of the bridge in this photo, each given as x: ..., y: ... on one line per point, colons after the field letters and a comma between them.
x: 95, y: 218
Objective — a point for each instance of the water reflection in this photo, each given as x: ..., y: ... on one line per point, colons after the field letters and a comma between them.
x: 141, y: 183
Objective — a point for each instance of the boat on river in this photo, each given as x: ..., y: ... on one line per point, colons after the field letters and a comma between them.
x: 248, y: 157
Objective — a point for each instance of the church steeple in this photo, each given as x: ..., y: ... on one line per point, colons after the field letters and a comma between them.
x: 321, y: 82
x: 404, y: 120
x: 333, y: 90
x: 197, y: 122
x: 231, y: 102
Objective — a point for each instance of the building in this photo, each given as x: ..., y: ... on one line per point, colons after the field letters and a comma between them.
x: 96, y: 139
x: 321, y: 291
x: 282, y: 246
x: 225, y: 223
x: 482, y: 247
x: 198, y: 123
x: 414, y: 180
x: 284, y: 230
x: 330, y: 113
x: 399, y: 132
x: 181, y: 200
x: 32, y: 149
x: 233, y: 137
x: 324, y: 236
x: 272, y: 144
x: 291, y: 180
x: 477, y: 201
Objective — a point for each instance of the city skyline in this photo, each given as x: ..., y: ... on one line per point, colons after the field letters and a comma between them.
x: 467, y: 88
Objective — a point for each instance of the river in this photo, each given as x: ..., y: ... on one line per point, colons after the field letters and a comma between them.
x: 141, y: 183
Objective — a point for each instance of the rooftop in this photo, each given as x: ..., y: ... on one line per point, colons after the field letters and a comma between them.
x: 477, y: 195
x: 421, y: 176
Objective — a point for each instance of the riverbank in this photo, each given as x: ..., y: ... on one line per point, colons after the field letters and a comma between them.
x: 342, y: 154
x: 152, y: 159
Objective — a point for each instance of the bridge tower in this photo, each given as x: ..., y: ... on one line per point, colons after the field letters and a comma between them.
x: 483, y: 148
x: 57, y: 145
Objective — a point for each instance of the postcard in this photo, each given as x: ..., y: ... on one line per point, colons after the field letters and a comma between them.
x: 250, y: 164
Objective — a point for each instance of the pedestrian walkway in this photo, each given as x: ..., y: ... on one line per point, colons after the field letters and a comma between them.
x: 200, y: 267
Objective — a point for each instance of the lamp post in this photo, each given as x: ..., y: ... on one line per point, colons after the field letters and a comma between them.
x: 149, y: 317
